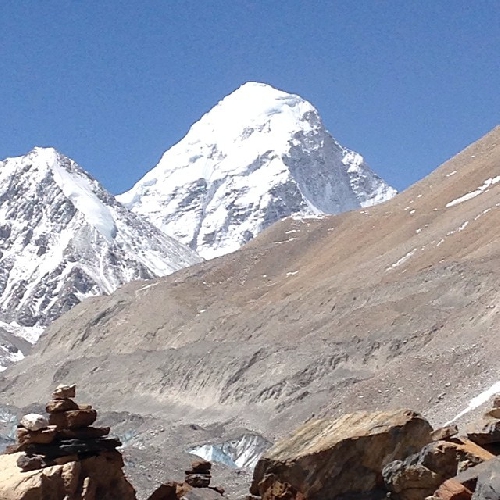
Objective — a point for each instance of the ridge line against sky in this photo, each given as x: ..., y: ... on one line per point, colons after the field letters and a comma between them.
x: 114, y: 85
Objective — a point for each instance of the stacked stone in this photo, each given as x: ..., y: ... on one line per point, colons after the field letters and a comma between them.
x: 66, y: 436
x: 199, y: 474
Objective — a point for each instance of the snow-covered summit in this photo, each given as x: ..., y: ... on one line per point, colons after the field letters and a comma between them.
x: 64, y: 238
x: 259, y: 155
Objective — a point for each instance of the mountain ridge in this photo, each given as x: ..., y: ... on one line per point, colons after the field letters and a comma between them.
x: 390, y: 306
x: 257, y: 156
x: 65, y: 238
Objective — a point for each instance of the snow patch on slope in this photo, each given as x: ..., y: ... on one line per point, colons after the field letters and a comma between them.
x: 477, y: 401
x: 472, y: 194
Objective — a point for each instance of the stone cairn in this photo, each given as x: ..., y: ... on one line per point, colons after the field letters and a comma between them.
x: 67, y: 435
x: 199, y: 474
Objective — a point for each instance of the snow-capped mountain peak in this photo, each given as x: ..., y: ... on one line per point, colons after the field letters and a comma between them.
x: 64, y: 238
x: 78, y: 187
x: 259, y: 155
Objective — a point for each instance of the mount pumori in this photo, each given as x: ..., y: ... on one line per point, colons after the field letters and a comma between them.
x: 259, y: 155
x: 64, y: 238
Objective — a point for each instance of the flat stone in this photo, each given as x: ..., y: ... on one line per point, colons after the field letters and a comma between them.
x: 64, y: 391
x: 43, y: 436
x: 444, y: 433
x: 83, y: 433
x: 198, y: 480
x: 58, y: 405
x: 73, y: 419
x: 34, y: 422
x: 73, y: 446
x: 451, y: 489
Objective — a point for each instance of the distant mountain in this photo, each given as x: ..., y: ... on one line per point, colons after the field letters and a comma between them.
x: 392, y: 306
x: 259, y: 155
x: 64, y: 238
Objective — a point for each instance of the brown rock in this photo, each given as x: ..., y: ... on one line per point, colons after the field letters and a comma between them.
x: 103, y: 477
x: 44, y: 436
x: 170, y: 491
x: 200, y: 467
x: 58, y: 405
x: 444, y: 433
x: 73, y: 419
x: 64, y: 392
x: 453, y: 490
x: 496, y: 401
x: 484, y: 431
x: 327, y: 458
x: 27, y: 463
x: 421, y: 474
x: 410, y: 481
x: 493, y: 413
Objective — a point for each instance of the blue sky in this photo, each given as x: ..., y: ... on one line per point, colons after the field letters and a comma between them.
x: 113, y: 84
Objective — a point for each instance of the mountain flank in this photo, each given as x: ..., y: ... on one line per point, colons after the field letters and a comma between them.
x: 64, y: 238
x: 390, y: 306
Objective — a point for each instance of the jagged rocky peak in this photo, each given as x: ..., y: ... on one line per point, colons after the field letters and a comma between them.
x: 63, y: 238
x: 259, y: 155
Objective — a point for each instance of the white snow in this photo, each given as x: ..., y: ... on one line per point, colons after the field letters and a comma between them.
x: 77, y: 187
x: 66, y: 237
x: 472, y: 194
x: 256, y: 157
x: 477, y: 401
x: 402, y: 260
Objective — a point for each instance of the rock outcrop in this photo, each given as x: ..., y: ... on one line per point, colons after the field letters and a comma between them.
x: 327, y: 458
x: 63, y: 458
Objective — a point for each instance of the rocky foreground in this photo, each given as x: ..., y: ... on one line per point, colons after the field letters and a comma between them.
x: 367, y: 456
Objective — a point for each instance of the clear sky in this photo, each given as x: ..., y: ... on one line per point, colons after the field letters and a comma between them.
x: 113, y: 84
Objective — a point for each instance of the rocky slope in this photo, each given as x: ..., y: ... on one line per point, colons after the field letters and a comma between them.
x: 258, y: 156
x: 64, y: 238
x: 390, y: 306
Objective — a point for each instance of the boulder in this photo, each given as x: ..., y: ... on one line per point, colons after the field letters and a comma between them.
x: 34, y: 422
x: 421, y: 474
x: 488, y: 481
x: 484, y: 431
x: 98, y: 478
x: 73, y: 419
x: 327, y: 458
